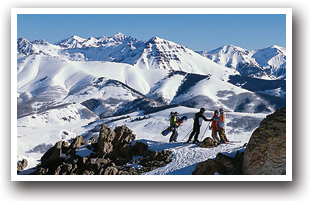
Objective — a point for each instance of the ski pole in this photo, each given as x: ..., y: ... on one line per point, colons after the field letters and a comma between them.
x: 205, y: 131
x: 182, y: 129
x: 187, y: 134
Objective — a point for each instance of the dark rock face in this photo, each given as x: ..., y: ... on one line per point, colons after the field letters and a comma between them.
x: 265, y: 153
x: 53, y: 157
x: 105, y: 140
x: 222, y: 164
x: 209, y: 167
x: 111, y: 154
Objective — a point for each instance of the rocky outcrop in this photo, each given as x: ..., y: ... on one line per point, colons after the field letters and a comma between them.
x: 112, y: 153
x: 222, y: 164
x: 265, y: 153
x: 21, y: 165
x: 105, y: 140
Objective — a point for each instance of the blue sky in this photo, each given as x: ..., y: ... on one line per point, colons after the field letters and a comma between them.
x: 198, y: 32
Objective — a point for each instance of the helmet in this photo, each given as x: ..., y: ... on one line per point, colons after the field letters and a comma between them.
x: 202, y: 110
x: 221, y: 110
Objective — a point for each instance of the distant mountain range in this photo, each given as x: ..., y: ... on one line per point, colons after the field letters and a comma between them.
x: 79, y: 78
x: 266, y: 63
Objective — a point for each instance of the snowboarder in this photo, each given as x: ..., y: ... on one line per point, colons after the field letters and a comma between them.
x: 197, y: 124
x: 215, y: 126
x: 174, y: 124
x: 222, y: 125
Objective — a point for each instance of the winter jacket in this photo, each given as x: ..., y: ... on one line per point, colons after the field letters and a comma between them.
x: 215, y: 122
x: 198, y: 119
x: 222, y: 120
x: 174, y: 121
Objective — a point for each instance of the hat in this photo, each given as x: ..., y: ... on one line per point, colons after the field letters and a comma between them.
x: 202, y: 110
x: 221, y: 110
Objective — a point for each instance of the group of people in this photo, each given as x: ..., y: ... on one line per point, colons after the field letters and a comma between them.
x: 217, y: 126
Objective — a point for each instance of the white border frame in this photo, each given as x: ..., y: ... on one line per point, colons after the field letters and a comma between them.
x: 289, y: 87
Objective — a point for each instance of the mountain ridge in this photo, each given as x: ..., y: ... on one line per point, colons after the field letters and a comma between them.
x: 155, y: 73
x: 266, y: 63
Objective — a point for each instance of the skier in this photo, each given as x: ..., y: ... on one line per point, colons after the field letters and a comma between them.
x: 222, y: 125
x: 197, y: 124
x: 215, y: 126
x: 174, y: 124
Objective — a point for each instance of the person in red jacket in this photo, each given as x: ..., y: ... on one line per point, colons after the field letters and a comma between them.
x: 215, y: 126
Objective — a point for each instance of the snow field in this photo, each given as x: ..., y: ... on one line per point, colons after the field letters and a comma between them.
x: 186, y: 156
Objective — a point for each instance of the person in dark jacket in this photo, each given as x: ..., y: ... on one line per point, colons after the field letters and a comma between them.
x: 197, y: 124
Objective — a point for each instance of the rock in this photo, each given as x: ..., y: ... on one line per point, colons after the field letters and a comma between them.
x: 209, y: 167
x: 21, y: 165
x: 265, y: 153
x: 123, y: 135
x: 65, y: 147
x: 227, y: 161
x: 111, y: 153
x: 125, y: 150
x: 105, y: 139
x: 78, y: 142
x: 156, y: 160
x: 110, y: 171
x: 207, y: 143
x: 52, y: 158
x: 140, y: 148
x: 238, y: 159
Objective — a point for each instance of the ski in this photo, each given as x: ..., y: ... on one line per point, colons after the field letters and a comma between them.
x: 231, y: 142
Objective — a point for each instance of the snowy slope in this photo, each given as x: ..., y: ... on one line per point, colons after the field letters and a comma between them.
x: 45, y: 82
x: 31, y: 142
x: 72, y: 87
x: 165, y: 71
x: 267, y: 63
x: 272, y: 60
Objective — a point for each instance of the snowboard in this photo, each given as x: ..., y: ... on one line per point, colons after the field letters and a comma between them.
x: 169, y: 129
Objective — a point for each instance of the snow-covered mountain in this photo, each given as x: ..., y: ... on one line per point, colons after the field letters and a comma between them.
x: 267, y: 63
x: 157, y: 71
x: 67, y: 88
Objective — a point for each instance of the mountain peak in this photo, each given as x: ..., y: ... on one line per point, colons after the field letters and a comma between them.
x: 102, y: 37
x: 40, y: 42
x: 119, y: 36
x: 275, y: 46
x: 22, y: 40
x: 236, y: 48
x: 282, y: 49
x: 227, y: 49
x: 78, y: 38
x: 155, y: 39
